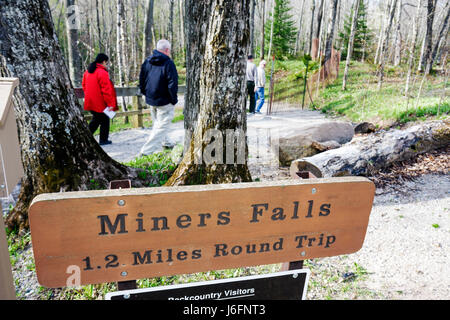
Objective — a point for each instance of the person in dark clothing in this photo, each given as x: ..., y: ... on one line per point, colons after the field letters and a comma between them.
x: 158, y: 82
x: 251, y: 75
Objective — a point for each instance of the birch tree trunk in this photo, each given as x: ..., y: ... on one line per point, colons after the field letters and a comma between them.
x: 412, y: 47
x: 271, y: 29
x: 300, y: 24
x: 443, y: 34
x: 217, y: 42
x: 148, y: 46
x: 311, y: 27
x: 263, y: 21
x: 380, y: 41
x: 426, y: 58
x: 72, y: 26
x: 57, y: 149
x: 170, y: 28
x: 319, y: 20
x: 252, y: 27
x: 121, y: 59
x: 398, y: 36
x: 385, y: 43
x: 350, y: 43
x: 99, y: 29
x: 182, y: 36
x: 330, y: 33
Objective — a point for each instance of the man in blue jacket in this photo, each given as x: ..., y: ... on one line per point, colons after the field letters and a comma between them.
x: 158, y: 81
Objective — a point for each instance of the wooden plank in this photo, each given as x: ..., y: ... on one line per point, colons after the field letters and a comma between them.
x: 125, y: 91
x: 121, y: 235
x: 88, y: 116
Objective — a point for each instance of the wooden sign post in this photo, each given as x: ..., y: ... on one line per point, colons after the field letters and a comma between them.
x: 129, y: 234
x: 10, y: 172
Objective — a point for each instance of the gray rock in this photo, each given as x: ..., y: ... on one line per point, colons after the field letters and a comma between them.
x: 309, y: 139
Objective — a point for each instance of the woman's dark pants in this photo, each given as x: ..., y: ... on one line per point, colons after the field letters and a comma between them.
x: 102, y: 120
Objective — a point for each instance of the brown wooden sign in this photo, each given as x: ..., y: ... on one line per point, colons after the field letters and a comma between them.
x: 129, y: 234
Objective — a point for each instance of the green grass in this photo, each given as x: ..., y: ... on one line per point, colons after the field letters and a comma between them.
x: 363, y: 101
x: 162, y: 164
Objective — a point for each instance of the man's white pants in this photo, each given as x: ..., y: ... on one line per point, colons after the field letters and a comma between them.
x: 162, y: 117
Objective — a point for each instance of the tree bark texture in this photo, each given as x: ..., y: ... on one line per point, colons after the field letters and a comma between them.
x: 217, y: 42
x: 58, y: 152
x: 367, y: 154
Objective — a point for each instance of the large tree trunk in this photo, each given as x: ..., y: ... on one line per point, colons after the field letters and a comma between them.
x: 196, y: 25
x: 58, y: 151
x: 365, y: 155
x: 217, y: 43
x: 73, y: 24
x: 350, y: 43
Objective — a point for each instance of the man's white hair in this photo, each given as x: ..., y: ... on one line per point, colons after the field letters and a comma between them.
x: 163, y: 45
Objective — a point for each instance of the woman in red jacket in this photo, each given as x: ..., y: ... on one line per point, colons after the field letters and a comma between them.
x: 99, y: 94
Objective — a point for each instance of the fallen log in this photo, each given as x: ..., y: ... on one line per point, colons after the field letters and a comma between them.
x: 365, y: 155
